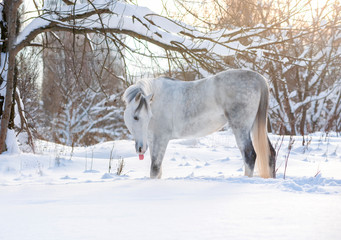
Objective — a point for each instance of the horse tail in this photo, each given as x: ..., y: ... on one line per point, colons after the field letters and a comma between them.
x: 260, y: 136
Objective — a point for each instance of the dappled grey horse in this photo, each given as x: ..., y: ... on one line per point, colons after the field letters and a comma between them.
x: 161, y: 109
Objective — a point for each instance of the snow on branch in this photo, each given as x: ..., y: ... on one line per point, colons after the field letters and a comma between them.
x: 108, y: 16
x: 112, y: 16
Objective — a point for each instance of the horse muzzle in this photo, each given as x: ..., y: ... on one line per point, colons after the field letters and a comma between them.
x: 140, y: 147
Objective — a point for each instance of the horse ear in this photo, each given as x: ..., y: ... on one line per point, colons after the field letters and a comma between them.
x: 149, y: 98
x: 138, y: 97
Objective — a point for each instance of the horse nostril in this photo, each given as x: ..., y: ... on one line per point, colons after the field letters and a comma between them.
x: 140, y: 149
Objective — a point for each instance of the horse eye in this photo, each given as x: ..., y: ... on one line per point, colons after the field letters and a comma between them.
x: 136, y: 118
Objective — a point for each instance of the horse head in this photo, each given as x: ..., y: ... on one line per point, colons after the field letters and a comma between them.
x: 137, y: 116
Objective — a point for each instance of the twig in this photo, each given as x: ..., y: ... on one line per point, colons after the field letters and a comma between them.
x: 111, y: 157
x: 291, y: 143
x: 120, y: 166
x: 278, y: 146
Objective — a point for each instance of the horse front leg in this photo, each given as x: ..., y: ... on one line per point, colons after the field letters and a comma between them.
x: 157, y: 152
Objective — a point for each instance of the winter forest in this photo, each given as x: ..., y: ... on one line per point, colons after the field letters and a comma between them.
x: 65, y: 64
x: 69, y: 167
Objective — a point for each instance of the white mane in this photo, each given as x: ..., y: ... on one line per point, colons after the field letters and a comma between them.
x: 144, y: 86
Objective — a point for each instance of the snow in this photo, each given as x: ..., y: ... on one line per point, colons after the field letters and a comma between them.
x: 11, y: 142
x: 37, y: 23
x: 137, y: 20
x: 65, y: 193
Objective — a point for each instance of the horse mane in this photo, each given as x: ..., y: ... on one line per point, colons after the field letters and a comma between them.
x: 145, y: 87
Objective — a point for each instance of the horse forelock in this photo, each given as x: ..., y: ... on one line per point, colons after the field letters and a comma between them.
x: 143, y: 102
x: 131, y: 93
x: 143, y: 87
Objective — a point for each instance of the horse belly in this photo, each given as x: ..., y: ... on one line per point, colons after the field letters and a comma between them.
x: 200, y: 126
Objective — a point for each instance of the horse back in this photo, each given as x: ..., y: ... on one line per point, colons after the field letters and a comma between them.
x: 198, y: 108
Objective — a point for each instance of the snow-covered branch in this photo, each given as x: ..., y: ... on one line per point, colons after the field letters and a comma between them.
x: 112, y: 16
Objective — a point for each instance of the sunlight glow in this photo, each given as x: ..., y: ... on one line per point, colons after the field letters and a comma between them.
x: 320, y: 3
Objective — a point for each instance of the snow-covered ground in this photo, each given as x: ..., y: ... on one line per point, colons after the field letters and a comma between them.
x: 60, y: 194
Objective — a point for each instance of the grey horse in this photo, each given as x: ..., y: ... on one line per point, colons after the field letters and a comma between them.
x: 159, y: 110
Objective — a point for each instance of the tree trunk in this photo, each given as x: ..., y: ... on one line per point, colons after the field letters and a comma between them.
x: 10, y: 12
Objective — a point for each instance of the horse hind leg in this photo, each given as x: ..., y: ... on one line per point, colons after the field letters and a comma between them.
x: 245, y: 146
x: 249, y: 158
x: 272, y: 161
